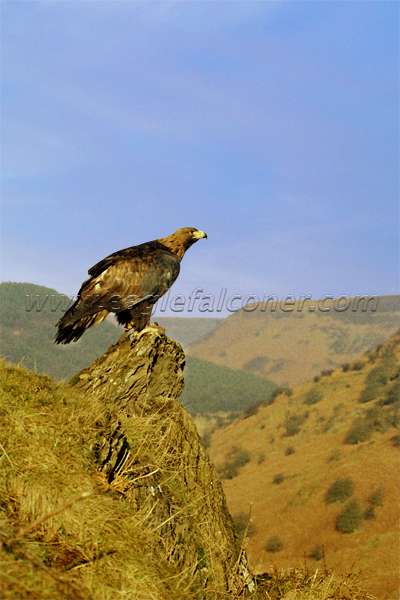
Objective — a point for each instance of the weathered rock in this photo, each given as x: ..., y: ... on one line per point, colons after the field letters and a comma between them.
x: 148, y: 449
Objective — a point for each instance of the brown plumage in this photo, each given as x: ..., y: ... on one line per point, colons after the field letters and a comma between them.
x: 128, y: 283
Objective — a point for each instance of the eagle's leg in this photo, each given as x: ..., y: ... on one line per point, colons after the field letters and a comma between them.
x: 130, y: 327
x: 136, y: 321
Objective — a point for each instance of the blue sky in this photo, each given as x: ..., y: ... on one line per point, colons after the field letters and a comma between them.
x: 273, y: 126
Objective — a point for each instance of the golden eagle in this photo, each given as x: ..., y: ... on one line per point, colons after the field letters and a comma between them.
x: 128, y: 283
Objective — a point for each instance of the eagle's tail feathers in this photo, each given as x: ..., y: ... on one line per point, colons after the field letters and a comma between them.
x: 74, y: 323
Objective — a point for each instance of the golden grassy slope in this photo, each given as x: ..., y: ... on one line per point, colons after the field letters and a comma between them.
x: 295, y: 509
x: 105, y: 491
x: 290, y: 348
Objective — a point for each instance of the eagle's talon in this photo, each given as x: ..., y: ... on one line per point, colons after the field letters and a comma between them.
x: 153, y: 328
x: 157, y: 326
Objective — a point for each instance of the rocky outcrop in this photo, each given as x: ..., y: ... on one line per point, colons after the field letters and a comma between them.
x: 148, y: 450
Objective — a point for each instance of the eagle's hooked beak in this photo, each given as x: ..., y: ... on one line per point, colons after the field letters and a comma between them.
x: 198, y: 235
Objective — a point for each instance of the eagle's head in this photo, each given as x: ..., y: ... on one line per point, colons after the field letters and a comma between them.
x: 190, y: 233
x: 182, y: 239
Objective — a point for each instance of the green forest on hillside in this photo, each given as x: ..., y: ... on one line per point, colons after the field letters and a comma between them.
x: 27, y: 331
x: 209, y: 388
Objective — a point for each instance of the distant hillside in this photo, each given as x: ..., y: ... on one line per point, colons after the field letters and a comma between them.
x: 210, y: 388
x: 188, y: 330
x: 27, y: 335
x: 291, y: 347
x: 27, y: 331
x: 318, y: 472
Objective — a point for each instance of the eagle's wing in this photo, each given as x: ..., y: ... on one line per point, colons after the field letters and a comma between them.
x: 127, y: 282
x: 133, y: 252
x: 130, y: 276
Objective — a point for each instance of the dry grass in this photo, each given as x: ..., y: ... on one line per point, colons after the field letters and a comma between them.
x: 63, y: 534
x: 296, y: 510
x: 303, y: 584
x: 75, y: 524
